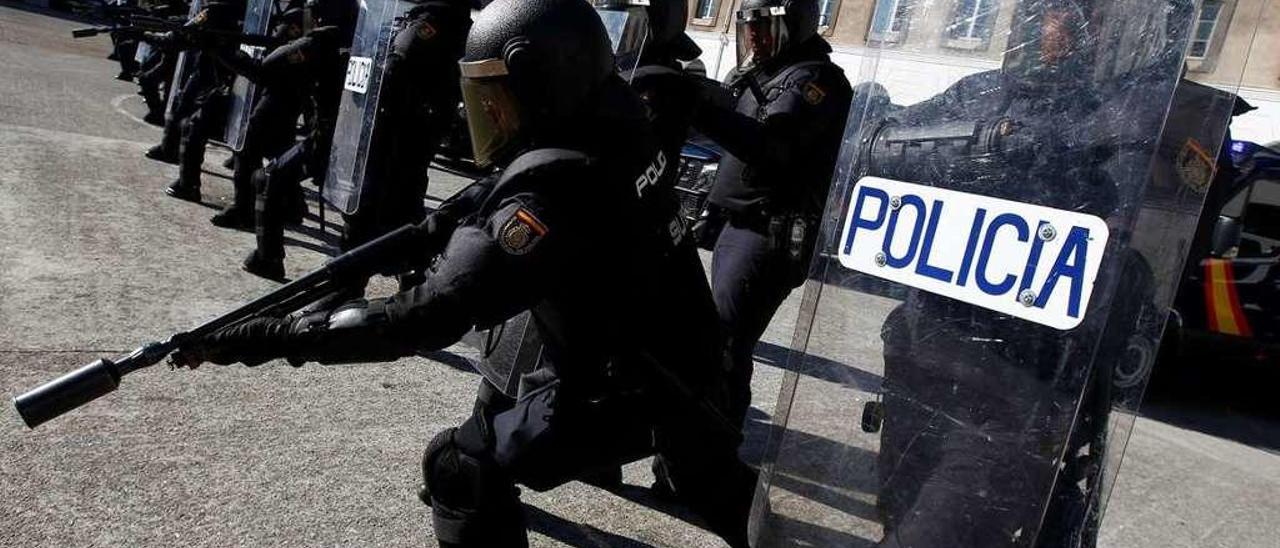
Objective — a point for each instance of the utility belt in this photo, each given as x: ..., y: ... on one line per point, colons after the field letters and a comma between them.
x: 791, y: 233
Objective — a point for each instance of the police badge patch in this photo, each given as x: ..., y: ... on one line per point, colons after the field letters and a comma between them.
x: 1195, y: 166
x: 813, y: 94
x: 426, y: 31
x: 521, y: 232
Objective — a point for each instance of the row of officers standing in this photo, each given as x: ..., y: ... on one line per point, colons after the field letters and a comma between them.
x: 580, y: 112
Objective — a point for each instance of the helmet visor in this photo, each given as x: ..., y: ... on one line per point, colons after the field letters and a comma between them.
x: 493, y: 115
x: 762, y: 33
x: 628, y: 29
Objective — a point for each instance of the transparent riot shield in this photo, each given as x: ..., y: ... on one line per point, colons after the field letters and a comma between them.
x: 359, y: 108
x: 179, y: 72
x: 257, y: 21
x: 997, y: 258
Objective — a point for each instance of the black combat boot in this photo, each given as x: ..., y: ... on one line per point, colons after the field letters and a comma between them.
x: 264, y: 267
x: 161, y: 153
x: 183, y: 191
x: 234, y: 218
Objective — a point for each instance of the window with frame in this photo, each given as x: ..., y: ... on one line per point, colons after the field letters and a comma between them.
x: 706, y: 10
x: 971, y: 23
x: 827, y: 13
x: 1206, y: 27
x: 891, y: 19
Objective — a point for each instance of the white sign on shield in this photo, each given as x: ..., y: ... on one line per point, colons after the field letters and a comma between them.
x: 358, y: 74
x: 1031, y: 262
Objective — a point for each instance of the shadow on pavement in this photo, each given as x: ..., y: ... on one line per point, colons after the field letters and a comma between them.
x: 575, y: 534
x: 1225, y: 398
x: 784, y: 531
x: 453, y: 361
x: 818, y: 367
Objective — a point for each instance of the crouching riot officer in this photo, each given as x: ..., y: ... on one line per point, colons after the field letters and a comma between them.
x: 620, y: 373
x: 781, y: 131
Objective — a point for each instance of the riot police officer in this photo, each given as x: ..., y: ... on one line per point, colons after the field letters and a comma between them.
x: 650, y: 46
x: 179, y: 104
x: 317, y: 62
x: 781, y: 132
x: 417, y: 105
x: 272, y: 123
x: 204, y: 97
x: 545, y: 104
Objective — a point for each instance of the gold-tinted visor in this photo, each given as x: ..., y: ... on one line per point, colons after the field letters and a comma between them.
x: 762, y: 33
x: 493, y: 116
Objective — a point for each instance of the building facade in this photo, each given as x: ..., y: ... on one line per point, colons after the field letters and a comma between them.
x: 972, y: 34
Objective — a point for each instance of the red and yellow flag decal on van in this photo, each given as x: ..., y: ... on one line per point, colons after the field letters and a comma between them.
x: 1221, y: 303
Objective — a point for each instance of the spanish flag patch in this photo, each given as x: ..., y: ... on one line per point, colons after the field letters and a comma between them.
x: 521, y: 232
x: 426, y: 31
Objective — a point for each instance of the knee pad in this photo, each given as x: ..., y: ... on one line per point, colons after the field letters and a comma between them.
x: 473, y: 502
x: 457, y: 475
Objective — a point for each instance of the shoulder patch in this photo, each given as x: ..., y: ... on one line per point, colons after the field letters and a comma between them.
x: 521, y: 232
x: 1195, y: 166
x: 813, y: 94
x: 426, y: 31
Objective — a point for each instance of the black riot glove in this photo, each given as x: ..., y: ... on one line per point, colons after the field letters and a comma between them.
x: 252, y: 342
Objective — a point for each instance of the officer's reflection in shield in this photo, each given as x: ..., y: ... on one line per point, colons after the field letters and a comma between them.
x: 979, y: 406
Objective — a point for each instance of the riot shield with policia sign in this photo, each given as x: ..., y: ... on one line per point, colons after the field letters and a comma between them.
x: 359, y: 107
x: 998, y: 259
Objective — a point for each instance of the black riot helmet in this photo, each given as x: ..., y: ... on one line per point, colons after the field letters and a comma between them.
x: 219, y: 14
x: 637, y: 25
x: 288, y: 25
x: 530, y: 65
x: 767, y: 28
x: 331, y: 13
x: 1051, y: 43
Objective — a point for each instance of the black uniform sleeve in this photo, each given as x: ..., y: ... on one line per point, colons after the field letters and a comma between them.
x: 789, y: 126
x: 292, y: 63
x: 491, y: 270
x: 501, y: 261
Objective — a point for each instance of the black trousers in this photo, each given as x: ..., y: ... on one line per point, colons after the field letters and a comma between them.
x: 555, y: 433
x: 751, y: 275
x: 208, y: 119
x: 270, y: 133
x: 274, y: 185
x: 154, y: 74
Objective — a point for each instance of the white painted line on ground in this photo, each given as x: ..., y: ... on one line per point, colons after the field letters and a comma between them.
x: 118, y: 104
